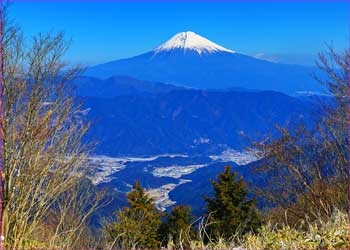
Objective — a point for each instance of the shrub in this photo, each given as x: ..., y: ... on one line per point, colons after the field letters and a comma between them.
x: 178, y: 229
x: 137, y: 225
x: 333, y: 233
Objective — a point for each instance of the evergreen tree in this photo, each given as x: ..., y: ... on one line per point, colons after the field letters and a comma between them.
x: 137, y: 225
x: 230, y: 211
x: 178, y: 227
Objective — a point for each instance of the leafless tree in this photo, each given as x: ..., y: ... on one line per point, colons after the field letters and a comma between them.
x: 69, y: 216
x: 42, y: 130
x: 308, y: 166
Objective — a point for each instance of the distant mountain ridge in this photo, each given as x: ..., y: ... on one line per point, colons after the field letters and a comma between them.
x: 119, y: 86
x: 188, y: 121
x: 190, y: 60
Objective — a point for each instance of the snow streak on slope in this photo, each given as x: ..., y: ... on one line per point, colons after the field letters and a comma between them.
x: 191, y: 41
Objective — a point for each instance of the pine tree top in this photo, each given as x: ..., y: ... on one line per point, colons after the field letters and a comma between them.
x: 139, y: 199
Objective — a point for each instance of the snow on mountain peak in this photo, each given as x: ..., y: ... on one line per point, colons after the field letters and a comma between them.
x: 191, y: 41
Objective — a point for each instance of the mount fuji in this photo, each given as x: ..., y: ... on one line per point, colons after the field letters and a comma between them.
x: 190, y: 41
x: 190, y: 60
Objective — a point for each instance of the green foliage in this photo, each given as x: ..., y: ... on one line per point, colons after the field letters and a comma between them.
x: 138, y: 224
x: 231, y: 213
x: 178, y: 229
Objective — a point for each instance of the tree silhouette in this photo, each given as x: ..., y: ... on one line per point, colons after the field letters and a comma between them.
x: 137, y: 225
x: 230, y: 211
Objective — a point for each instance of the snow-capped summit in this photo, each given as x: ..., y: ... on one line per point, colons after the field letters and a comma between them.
x: 191, y: 41
x: 188, y: 59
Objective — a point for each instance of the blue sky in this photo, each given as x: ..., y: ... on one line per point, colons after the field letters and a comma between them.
x: 286, y: 32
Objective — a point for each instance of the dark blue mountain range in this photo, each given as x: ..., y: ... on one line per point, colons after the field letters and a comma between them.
x: 119, y: 86
x: 188, y: 121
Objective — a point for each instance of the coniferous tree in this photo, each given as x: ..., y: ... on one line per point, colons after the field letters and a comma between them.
x: 230, y: 211
x: 178, y: 227
x: 137, y: 225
